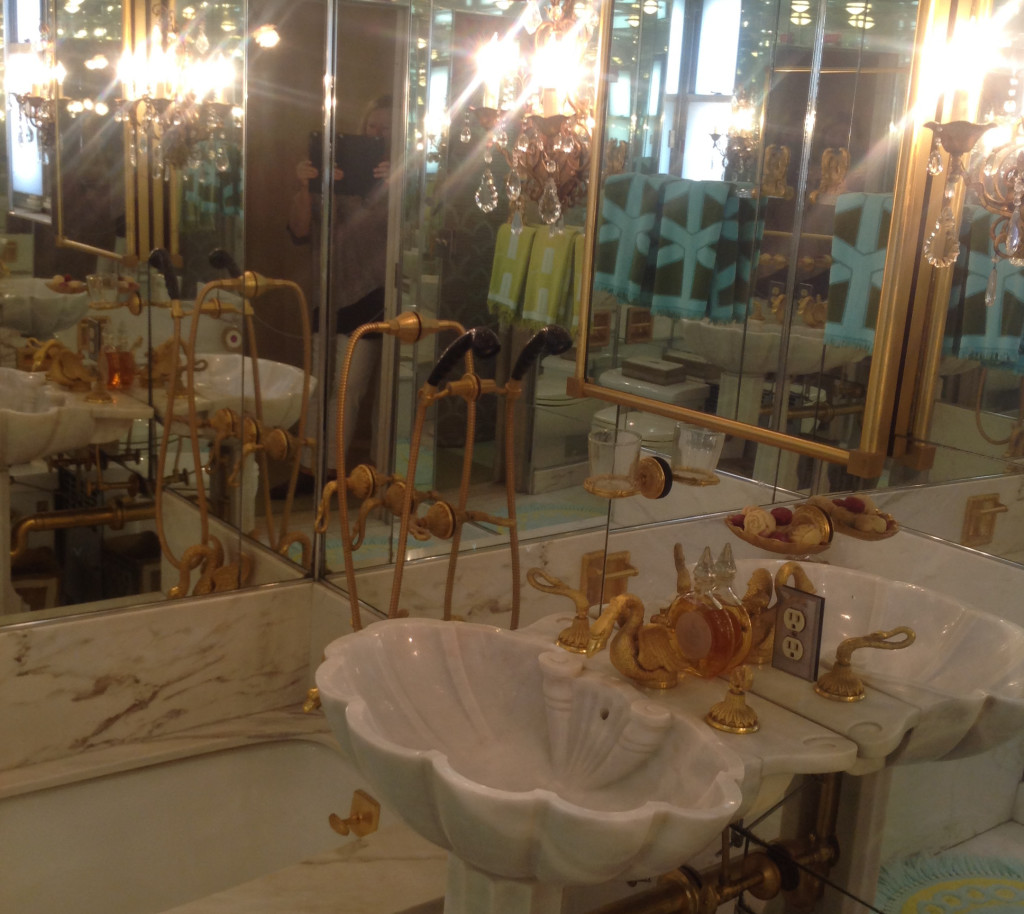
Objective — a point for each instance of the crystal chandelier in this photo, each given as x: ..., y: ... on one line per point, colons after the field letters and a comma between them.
x: 33, y: 80
x: 537, y: 109
x: 177, y: 96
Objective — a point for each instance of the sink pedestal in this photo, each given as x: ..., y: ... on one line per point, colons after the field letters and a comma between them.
x: 471, y: 891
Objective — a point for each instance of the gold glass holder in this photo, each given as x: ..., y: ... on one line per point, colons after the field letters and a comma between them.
x: 653, y: 479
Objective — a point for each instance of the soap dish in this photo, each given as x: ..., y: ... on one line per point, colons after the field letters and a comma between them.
x: 891, y: 529
x: 803, y: 515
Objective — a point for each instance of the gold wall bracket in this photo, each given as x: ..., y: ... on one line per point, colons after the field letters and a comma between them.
x: 612, y: 571
x: 363, y: 818
x: 980, y: 514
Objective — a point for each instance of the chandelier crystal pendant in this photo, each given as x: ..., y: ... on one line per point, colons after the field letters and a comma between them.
x: 537, y: 98
x: 958, y: 138
x: 33, y: 80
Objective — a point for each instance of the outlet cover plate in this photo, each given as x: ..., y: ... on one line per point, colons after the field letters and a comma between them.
x: 798, y: 617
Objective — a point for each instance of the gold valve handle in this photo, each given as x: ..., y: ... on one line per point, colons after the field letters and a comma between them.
x: 841, y: 683
x: 323, y: 511
x: 363, y: 818
x: 576, y: 637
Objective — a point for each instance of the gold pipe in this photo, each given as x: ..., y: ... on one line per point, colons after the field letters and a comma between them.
x: 467, y: 471
x: 901, y: 256
x: 716, y: 423
x: 407, y: 327
x: 513, y: 391
x: 686, y: 891
x: 124, y: 259
x: 602, y: 57
x: 936, y: 296
x: 114, y: 516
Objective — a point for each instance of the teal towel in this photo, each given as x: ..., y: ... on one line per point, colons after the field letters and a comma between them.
x: 549, y: 278
x: 742, y: 233
x: 974, y: 330
x: 508, y: 272
x: 859, y: 236
x: 689, y: 230
x: 625, y: 242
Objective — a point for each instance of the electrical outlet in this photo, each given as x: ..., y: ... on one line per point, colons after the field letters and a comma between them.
x: 798, y: 632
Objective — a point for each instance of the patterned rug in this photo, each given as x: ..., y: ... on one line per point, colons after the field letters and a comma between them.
x: 951, y: 885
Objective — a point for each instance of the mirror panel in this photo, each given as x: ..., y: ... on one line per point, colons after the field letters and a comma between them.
x: 740, y: 251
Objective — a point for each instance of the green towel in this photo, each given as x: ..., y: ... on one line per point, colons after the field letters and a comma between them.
x: 508, y: 273
x: 548, y: 278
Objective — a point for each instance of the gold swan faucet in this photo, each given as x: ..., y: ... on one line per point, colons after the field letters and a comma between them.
x: 706, y: 631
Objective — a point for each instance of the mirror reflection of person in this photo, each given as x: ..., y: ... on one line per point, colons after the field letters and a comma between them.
x: 358, y: 252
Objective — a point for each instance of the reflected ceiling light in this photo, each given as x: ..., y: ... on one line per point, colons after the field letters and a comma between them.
x: 99, y: 62
x: 266, y: 36
x: 651, y: 7
x: 800, y: 12
x: 536, y: 88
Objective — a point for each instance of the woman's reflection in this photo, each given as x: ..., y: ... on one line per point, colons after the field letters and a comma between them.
x: 358, y: 249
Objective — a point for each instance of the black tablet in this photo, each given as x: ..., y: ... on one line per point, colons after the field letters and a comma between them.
x: 357, y: 156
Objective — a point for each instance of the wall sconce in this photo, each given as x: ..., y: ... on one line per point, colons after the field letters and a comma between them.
x: 545, y: 83
x: 33, y: 80
x: 942, y: 246
x: 738, y: 142
x: 176, y: 94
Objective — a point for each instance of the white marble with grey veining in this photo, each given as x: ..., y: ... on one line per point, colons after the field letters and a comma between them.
x: 120, y: 677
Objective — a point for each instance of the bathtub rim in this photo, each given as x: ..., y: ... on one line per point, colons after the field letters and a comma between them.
x: 257, y: 729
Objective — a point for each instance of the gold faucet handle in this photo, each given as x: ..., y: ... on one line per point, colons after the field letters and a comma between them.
x: 576, y: 637
x: 841, y: 683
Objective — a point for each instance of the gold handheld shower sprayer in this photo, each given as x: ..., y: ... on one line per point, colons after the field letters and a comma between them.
x: 407, y: 327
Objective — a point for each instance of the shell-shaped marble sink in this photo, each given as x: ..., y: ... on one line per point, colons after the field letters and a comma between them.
x: 963, y: 676
x: 518, y: 759
x: 38, y: 419
x: 226, y: 379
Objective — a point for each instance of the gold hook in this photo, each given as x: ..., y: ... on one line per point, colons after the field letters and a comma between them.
x: 363, y: 818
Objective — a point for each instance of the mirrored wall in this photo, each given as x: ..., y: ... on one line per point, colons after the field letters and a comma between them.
x: 722, y: 218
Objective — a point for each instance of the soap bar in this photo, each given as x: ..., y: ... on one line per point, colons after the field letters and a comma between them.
x: 657, y: 371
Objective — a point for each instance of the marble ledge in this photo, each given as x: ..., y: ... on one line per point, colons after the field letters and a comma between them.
x: 266, y: 726
x: 393, y: 871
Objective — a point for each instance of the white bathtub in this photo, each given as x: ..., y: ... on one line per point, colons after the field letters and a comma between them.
x: 152, y: 838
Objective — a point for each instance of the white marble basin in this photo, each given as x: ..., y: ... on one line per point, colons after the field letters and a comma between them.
x: 227, y: 381
x: 40, y: 419
x: 519, y: 759
x: 30, y: 307
x: 962, y: 679
x: 752, y: 348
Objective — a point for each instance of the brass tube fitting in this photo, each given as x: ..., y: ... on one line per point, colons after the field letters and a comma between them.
x: 114, y: 516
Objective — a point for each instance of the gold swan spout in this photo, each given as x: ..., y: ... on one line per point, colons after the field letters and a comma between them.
x: 648, y: 653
